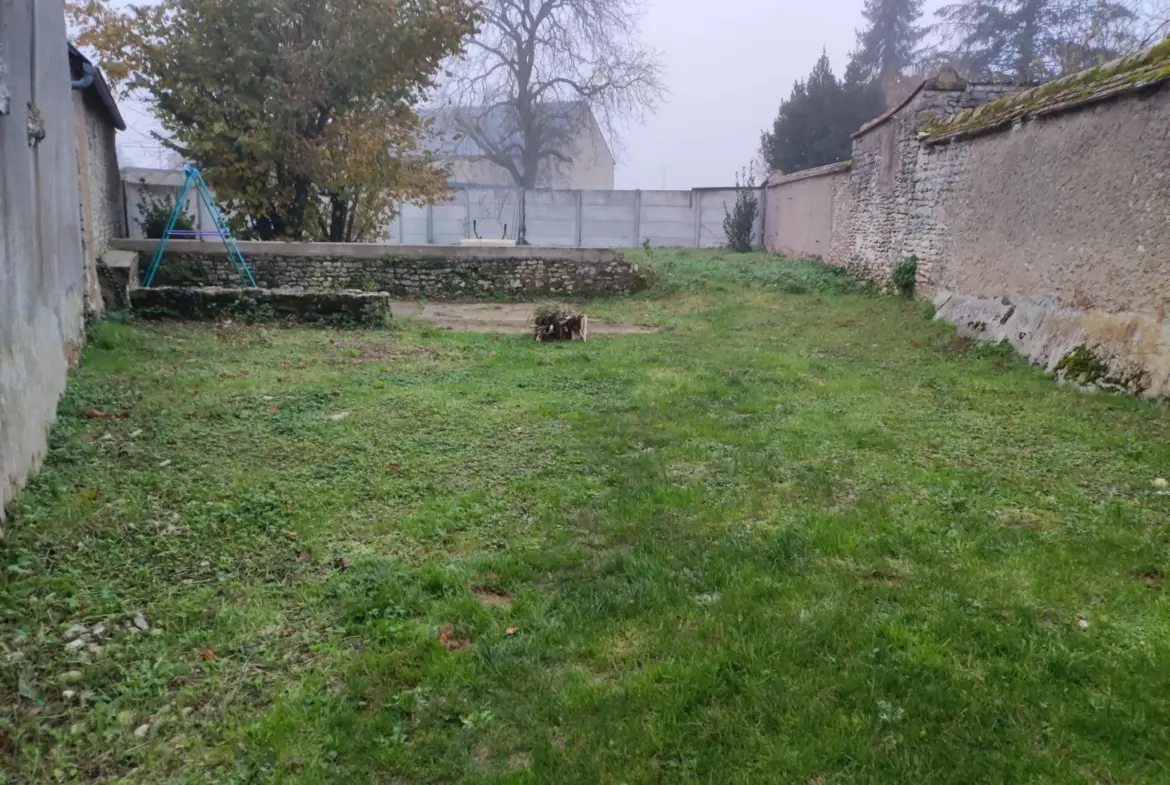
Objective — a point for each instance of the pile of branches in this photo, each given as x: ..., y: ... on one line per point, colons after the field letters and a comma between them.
x: 559, y: 322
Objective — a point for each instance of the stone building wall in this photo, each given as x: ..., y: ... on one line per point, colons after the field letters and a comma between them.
x: 1040, y: 216
x: 420, y: 271
x: 102, y: 214
x: 842, y: 208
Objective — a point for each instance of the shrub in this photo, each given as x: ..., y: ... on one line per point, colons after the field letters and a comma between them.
x: 739, y: 223
x: 905, y: 275
x: 155, y: 212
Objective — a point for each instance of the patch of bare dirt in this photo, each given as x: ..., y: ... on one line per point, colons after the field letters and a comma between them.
x: 1151, y: 578
x: 490, y: 596
x: 957, y: 345
x: 361, y: 350
x: 518, y: 761
x: 447, y: 638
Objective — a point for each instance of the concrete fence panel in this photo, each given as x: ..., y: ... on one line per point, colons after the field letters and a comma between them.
x: 668, y: 219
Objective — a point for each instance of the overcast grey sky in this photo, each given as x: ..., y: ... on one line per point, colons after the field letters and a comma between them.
x: 728, y: 63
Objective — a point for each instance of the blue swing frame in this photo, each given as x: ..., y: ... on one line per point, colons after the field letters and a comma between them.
x: 195, y: 179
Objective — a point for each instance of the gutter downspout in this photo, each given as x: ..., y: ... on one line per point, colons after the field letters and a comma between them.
x: 87, y: 78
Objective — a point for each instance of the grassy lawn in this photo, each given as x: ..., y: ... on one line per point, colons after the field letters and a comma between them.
x: 800, y: 535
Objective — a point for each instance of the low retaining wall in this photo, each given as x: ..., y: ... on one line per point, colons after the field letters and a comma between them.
x: 442, y: 272
x: 366, y: 309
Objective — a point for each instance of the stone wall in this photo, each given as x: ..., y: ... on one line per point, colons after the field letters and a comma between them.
x: 41, y: 281
x: 449, y: 272
x: 1054, y: 234
x: 1039, y: 216
x: 883, y: 227
x: 798, y: 219
x: 102, y: 215
x: 363, y: 309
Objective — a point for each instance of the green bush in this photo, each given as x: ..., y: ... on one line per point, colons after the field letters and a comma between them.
x: 739, y: 222
x: 905, y: 275
x: 155, y: 212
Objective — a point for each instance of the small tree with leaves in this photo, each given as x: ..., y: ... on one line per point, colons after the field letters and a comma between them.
x: 299, y: 111
x: 739, y: 222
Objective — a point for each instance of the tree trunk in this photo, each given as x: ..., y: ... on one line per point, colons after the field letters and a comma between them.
x: 338, y: 219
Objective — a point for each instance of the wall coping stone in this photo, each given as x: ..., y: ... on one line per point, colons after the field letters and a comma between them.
x: 780, y: 178
x: 1141, y: 71
x: 450, y: 253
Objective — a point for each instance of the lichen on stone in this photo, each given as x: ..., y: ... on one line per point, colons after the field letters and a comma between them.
x: 1085, y: 367
x: 1081, y: 365
x: 1141, y: 70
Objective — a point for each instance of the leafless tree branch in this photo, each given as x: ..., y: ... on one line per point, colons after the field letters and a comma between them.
x: 539, y: 68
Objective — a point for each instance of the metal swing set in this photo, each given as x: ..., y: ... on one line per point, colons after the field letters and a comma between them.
x: 195, y: 180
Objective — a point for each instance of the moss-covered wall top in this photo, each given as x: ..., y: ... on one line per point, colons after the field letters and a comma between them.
x: 1143, y: 70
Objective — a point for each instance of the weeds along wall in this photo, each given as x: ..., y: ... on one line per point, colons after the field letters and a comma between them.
x: 1041, y: 217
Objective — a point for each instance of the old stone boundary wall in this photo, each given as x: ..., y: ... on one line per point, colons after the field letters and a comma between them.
x: 1041, y: 217
x: 442, y: 272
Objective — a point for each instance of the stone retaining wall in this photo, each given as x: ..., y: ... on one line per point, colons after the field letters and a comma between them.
x: 443, y: 272
x: 364, y: 309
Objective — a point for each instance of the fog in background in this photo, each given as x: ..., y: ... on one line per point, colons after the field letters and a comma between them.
x: 728, y: 65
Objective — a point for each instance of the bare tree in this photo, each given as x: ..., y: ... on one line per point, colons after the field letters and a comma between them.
x: 538, y: 69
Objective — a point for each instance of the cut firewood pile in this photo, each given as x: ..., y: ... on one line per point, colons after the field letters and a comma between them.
x: 560, y: 322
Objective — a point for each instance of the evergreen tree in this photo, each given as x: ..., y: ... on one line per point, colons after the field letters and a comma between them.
x: 815, y: 124
x: 1030, y: 40
x: 889, y: 46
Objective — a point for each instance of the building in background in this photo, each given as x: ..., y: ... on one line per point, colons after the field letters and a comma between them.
x: 590, y: 164
x: 103, y: 217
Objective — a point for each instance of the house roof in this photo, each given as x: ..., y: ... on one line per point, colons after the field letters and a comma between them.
x: 99, y: 89
x: 496, y: 122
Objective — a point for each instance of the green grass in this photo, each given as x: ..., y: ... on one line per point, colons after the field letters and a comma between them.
x: 801, y: 534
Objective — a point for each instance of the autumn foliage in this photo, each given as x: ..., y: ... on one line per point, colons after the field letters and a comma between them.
x: 300, y: 112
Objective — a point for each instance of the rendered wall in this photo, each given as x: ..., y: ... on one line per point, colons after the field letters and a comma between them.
x: 41, y: 270
x: 1054, y: 235
x: 800, y: 211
